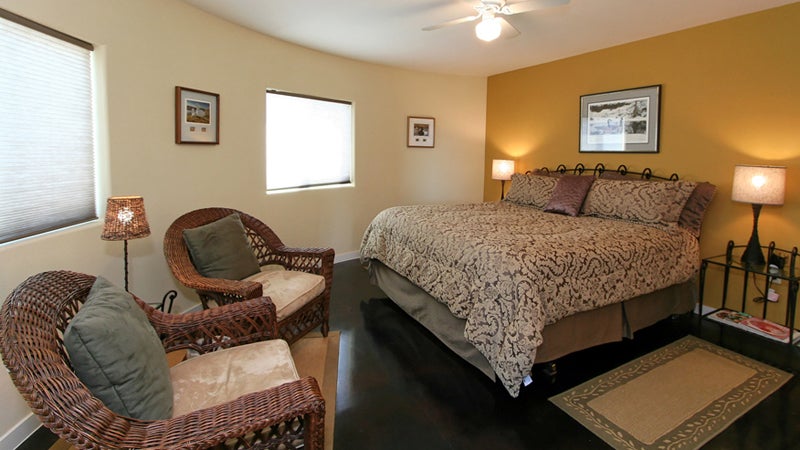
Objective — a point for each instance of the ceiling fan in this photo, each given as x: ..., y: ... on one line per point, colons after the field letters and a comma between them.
x: 491, y: 25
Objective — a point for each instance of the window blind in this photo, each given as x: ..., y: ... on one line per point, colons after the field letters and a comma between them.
x: 309, y: 141
x: 47, y: 158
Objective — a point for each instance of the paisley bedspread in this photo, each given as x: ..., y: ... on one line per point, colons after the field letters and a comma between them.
x: 509, y: 270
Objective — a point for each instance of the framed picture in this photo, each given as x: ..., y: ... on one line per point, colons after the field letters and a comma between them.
x: 621, y: 121
x: 196, y: 116
x: 421, y: 131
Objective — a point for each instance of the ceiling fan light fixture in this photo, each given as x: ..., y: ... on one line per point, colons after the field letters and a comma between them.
x: 489, y: 28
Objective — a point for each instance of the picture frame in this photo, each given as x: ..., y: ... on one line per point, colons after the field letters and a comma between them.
x: 196, y: 116
x: 421, y: 131
x: 625, y: 121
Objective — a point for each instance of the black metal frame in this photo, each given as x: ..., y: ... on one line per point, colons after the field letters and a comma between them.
x: 600, y: 168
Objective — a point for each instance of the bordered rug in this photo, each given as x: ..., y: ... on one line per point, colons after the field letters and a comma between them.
x: 679, y: 396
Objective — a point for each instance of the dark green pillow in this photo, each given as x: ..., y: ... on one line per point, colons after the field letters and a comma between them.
x: 117, y: 354
x: 220, y: 249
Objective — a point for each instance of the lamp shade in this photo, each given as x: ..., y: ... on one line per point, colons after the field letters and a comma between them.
x: 759, y: 185
x: 502, y: 169
x: 125, y: 219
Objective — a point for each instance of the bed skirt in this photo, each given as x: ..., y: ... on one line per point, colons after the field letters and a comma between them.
x: 577, y: 332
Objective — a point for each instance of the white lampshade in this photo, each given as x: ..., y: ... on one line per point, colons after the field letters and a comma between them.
x: 489, y: 28
x: 760, y: 185
x: 502, y: 169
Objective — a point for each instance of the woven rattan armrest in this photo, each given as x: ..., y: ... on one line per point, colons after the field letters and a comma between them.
x: 308, y: 259
x: 211, y: 329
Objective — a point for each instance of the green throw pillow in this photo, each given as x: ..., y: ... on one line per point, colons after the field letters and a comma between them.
x: 220, y: 249
x: 117, y: 354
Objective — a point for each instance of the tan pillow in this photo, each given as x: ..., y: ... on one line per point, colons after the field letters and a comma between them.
x: 638, y: 201
x: 568, y: 195
x: 530, y: 189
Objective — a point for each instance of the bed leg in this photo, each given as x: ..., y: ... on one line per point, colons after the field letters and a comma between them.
x: 550, y: 370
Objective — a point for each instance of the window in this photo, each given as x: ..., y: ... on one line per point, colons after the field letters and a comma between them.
x: 47, y: 168
x: 309, y: 141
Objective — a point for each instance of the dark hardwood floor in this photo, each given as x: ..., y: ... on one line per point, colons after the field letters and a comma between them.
x: 400, y: 388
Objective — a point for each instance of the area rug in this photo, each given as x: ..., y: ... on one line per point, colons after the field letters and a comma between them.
x: 313, y: 355
x: 679, y: 396
x: 318, y: 356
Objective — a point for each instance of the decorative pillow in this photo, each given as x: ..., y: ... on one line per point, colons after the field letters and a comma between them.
x: 117, y: 354
x: 220, y: 249
x: 568, y: 194
x: 529, y: 189
x: 638, y: 201
x: 692, y: 214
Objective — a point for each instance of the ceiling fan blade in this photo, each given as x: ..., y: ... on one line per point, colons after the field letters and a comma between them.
x: 452, y: 22
x: 531, y: 5
x: 508, y: 31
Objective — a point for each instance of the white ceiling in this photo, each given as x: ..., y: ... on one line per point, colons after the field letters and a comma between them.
x: 390, y: 31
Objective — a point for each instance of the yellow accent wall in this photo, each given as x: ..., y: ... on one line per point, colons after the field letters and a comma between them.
x: 730, y: 95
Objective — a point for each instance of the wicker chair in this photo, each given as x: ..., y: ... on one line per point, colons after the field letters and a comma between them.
x: 268, y: 249
x: 32, y: 322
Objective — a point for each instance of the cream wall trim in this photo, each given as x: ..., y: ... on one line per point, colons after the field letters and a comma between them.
x: 347, y: 256
x: 22, y: 431
x: 147, y: 47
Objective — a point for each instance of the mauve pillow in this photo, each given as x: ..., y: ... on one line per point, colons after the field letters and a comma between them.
x: 568, y: 194
x: 530, y: 189
x: 692, y: 215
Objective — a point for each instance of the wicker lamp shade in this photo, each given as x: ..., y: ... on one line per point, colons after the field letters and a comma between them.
x: 125, y: 219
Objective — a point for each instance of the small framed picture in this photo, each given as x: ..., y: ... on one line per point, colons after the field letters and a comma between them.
x: 421, y: 131
x: 621, y: 121
x: 196, y: 116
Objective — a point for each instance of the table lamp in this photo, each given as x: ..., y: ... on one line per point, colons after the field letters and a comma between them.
x: 758, y: 185
x: 502, y: 169
x: 125, y: 219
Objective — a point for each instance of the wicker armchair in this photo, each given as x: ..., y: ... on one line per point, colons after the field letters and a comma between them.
x: 268, y: 249
x: 32, y: 322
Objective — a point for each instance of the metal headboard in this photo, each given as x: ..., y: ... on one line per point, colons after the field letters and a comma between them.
x: 599, y: 169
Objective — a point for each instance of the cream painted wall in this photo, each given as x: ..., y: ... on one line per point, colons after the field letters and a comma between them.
x: 730, y: 95
x: 146, y: 48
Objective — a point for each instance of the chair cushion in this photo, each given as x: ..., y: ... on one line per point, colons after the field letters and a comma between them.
x: 117, y: 354
x: 288, y: 289
x: 225, y: 375
x: 220, y: 249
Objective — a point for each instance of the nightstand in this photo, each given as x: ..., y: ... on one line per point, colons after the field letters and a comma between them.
x: 731, y: 264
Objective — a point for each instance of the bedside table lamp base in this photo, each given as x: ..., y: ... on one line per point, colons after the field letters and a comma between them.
x: 753, y: 256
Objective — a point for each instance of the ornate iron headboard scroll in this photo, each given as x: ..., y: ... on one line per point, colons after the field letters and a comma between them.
x: 599, y: 169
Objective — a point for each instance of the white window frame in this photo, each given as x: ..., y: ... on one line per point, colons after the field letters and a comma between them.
x: 310, y: 142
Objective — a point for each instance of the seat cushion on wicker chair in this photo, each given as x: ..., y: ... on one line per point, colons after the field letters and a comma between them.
x: 117, y: 354
x: 288, y: 289
x: 219, y: 377
x: 220, y: 249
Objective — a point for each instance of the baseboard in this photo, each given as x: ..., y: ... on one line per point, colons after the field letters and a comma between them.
x: 706, y: 309
x: 21, y: 432
x: 346, y: 257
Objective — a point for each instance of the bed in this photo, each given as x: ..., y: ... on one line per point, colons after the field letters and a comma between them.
x: 571, y: 258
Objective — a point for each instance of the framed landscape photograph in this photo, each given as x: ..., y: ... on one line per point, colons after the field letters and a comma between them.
x: 421, y: 131
x: 621, y: 121
x: 196, y: 116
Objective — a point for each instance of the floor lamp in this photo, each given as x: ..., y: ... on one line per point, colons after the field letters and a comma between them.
x: 125, y: 219
x: 757, y: 185
x: 502, y: 169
